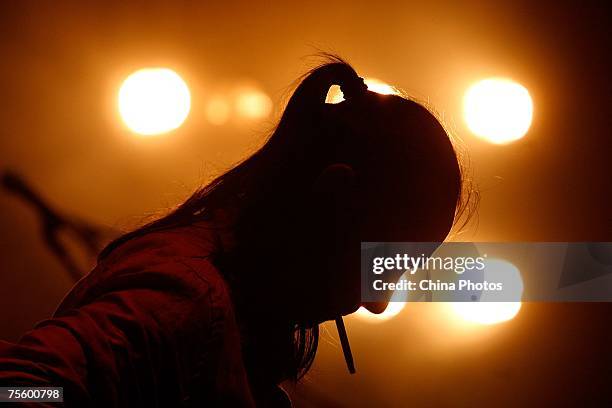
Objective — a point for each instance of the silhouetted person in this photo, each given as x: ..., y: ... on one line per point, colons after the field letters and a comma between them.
x: 218, y: 302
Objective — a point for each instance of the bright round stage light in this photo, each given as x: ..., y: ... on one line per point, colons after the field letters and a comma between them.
x: 154, y: 101
x: 498, y: 110
x: 492, y: 312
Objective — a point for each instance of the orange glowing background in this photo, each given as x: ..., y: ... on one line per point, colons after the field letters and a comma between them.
x: 63, y: 66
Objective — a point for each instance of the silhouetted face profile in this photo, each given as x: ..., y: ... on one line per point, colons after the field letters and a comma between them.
x: 397, y: 180
x: 385, y: 171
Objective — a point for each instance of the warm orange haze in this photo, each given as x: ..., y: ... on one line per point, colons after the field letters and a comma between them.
x: 115, y: 113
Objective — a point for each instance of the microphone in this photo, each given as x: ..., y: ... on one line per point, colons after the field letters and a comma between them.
x: 346, y: 347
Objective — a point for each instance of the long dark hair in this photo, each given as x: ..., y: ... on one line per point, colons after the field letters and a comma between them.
x: 299, y: 147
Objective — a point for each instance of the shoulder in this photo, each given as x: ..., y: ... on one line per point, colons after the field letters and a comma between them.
x: 195, y: 240
x: 161, y: 293
x: 176, y: 262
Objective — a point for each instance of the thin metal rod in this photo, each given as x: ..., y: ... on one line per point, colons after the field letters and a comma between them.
x: 346, y: 347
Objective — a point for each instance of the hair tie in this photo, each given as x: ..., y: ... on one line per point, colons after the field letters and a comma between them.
x: 354, y: 87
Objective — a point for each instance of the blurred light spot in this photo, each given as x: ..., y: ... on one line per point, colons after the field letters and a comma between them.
x: 393, y: 309
x: 380, y: 87
x: 498, y: 110
x: 154, y: 101
x: 252, y: 103
x: 487, y: 312
x: 334, y: 95
x: 218, y: 111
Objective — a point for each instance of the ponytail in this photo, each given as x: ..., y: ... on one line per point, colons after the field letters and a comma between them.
x: 309, y: 97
